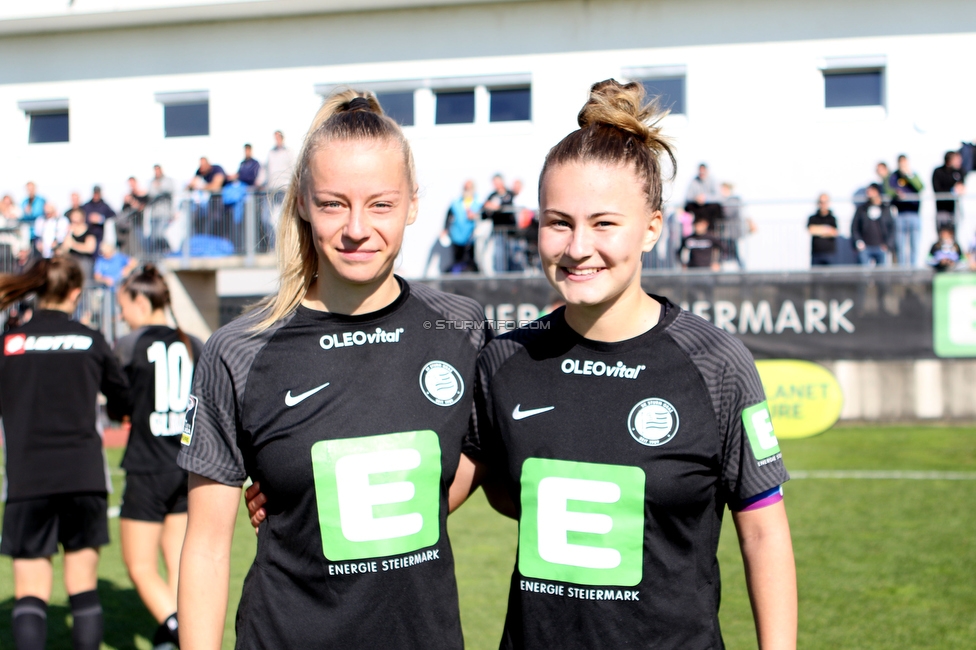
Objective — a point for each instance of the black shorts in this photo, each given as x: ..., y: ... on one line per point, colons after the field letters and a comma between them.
x: 33, y: 528
x: 150, y: 497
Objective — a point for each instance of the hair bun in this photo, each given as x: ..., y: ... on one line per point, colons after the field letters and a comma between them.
x: 353, y: 101
x: 623, y: 107
x: 358, y: 104
x: 618, y: 127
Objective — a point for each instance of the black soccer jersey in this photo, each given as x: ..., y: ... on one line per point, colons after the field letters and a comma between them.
x: 160, y: 372
x: 353, y: 425
x: 51, y: 371
x: 621, y: 458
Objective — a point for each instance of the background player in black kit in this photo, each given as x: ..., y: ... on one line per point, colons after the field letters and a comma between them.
x: 158, y: 361
x: 51, y: 371
x: 349, y: 409
x: 623, y: 428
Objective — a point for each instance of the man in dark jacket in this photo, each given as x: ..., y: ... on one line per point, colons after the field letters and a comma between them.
x: 948, y: 179
x: 98, y: 213
x: 872, y: 229
x: 249, y: 170
x: 822, y: 226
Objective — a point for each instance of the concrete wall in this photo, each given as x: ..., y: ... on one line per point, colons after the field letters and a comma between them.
x: 754, y: 93
x: 907, y: 390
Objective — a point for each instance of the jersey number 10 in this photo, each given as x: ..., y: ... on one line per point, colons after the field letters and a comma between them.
x: 174, y: 372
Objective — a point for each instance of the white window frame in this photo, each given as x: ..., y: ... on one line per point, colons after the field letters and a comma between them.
x: 509, y: 86
x: 32, y: 107
x: 177, y: 98
x: 851, y: 65
x: 425, y: 90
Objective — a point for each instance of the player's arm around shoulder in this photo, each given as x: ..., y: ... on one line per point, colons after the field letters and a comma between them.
x: 205, y: 562
x: 767, y: 553
x: 470, y: 475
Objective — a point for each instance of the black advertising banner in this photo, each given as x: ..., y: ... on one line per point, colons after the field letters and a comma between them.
x: 817, y: 315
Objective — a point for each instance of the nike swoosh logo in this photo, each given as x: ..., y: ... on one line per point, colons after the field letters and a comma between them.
x: 521, y: 415
x: 292, y: 400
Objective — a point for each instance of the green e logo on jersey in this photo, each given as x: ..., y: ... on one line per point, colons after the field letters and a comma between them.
x: 760, y: 431
x: 378, y: 495
x: 582, y: 522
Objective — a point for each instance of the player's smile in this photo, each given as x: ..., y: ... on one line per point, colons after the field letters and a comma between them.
x: 577, y: 274
x: 357, y: 254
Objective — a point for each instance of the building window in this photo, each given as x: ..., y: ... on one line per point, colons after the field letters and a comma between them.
x: 510, y: 104
x: 398, y: 105
x: 48, y: 127
x: 48, y: 120
x: 454, y: 107
x: 185, y: 113
x: 181, y: 120
x: 665, y: 82
x: 670, y: 92
x: 853, y: 88
x: 477, y: 99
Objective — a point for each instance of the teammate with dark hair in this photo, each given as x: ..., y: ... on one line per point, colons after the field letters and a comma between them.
x: 51, y: 372
x: 158, y: 360
x: 622, y: 430
x: 348, y: 410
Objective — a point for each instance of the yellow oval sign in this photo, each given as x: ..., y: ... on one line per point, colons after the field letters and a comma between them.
x: 804, y: 398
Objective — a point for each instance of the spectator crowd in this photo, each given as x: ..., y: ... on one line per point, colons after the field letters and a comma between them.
x: 886, y: 227
x: 485, y: 235
x: 106, y: 242
x: 488, y: 236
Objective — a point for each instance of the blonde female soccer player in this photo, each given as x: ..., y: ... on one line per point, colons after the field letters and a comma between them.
x: 349, y: 406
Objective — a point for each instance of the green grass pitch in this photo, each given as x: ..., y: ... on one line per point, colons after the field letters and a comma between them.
x: 882, y: 563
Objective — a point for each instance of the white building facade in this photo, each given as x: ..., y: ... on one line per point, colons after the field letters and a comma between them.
x: 751, y: 80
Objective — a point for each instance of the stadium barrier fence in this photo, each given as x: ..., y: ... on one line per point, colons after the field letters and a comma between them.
x: 755, y: 235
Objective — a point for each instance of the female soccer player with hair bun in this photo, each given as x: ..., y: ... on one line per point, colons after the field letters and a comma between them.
x: 348, y: 410
x: 623, y: 428
x: 158, y: 361
x: 51, y: 371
